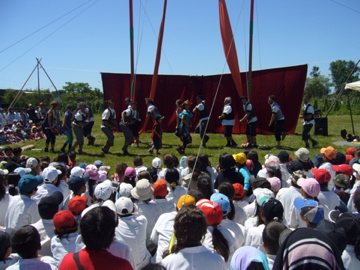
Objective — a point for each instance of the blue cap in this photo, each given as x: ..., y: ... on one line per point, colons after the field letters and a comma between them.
x: 75, y: 183
x: 222, y: 200
x: 318, y: 160
x: 82, y: 165
x: 300, y: 203
x: 98, y: 163
x: 29, y: 182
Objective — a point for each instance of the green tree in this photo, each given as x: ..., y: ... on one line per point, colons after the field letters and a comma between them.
x: 318, y: 85
x: 340, y: 71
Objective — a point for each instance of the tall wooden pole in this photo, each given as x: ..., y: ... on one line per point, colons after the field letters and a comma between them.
x: 249, y: 82
x: 132, y: 85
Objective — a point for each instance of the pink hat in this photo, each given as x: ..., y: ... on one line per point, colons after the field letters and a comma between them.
x: 275, y: 183
x: 130, y: 172
x: 310, y: 186
x: 102, y: 176
x: 92, y: 171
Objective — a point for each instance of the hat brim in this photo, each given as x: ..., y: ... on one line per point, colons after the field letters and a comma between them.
x: 334, y: 215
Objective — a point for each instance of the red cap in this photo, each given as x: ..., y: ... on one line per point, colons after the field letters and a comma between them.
x: 212, y: 211
x: 350, y: 151
x: 64, y: 221
x: 239, y: 191
x: 321, y: 175
x: 160, y: 188
x: 249, y: 164
x: 77, y: 204
x: 348, y: 158
x: 344, y: 169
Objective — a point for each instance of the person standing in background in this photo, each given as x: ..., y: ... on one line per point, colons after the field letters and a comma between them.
x: 108, y: 124
x: 228, y: 121
x: 308, y: 122
x: 203, y: 120
x: 277, y: 120
x: 251, y: 120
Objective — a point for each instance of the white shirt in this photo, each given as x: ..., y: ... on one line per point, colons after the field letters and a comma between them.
x: 45, y: 263
x: 140, y: 169
x: 161, y: 234
x: 121, y: 250
x: 254, y: 237
x: 22, y: 211
x: 328, y: 166
x: 4, y: 204
x: 233, y: 244
x: 65, y: 188
x: 349, y: 258
x: 227, y: 110
x: 287, y: 197
x: 236, y: 230
x: 12, y: 259
x: 329, y: 201
x: 45, y: 227
x: 250, y: 210
x: 249, y: 108
x: 194, y: 258
x: 240, y: 215
x: 271, y: 259
x: 106, y: 115
x: 165, y: 205
x: 61, y: 247
x: 132, y: 231
x: 152, y: 212
x: 309, y: 110
x: 174, y: 195
x: 45, y: 190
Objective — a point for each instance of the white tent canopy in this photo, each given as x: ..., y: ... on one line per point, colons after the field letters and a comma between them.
x: 353, y: 86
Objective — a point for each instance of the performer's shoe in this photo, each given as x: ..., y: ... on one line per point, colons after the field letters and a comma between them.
x: 315, y: 144
x: 283, y: 135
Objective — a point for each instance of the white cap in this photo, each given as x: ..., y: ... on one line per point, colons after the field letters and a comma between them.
x: 22, y: 171
x: 156, y: 163
x: 50, y: 174
x: 356, y: 167
x: 103, y: 191
x: 32, y: 163
x: 77, y: 171
x: 124, y: 206
x: 125, y: 189
x: 271, y: 158
x: 259, y: 193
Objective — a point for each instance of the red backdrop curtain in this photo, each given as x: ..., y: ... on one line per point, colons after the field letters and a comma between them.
x: 287, y: 84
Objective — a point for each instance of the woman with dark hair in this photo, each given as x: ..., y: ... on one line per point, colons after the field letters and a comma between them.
x: 188, y: 253
x: 108, y: 124
x: 172, y: 177
x: 51, y: 125
x: 218, y: 239
x: 184, y: 127
x: 253, y: 155
x: 228, y: 171
x: 97, y: 230
x: 13, y: 180
x: 204, y: 185
x: 205, y: 167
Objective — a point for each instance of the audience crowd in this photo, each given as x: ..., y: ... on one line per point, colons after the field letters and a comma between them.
x: 292, y: 212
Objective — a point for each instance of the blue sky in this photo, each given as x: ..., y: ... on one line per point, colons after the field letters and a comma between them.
x: 95, y: 37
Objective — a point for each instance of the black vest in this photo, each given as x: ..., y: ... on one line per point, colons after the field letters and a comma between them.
x: 230, y: 116
x: 251, y: 115
x: 203, y: 113
x: 305, y: 113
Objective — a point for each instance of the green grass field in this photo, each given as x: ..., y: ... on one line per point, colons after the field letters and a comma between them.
x: 171, y: 142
